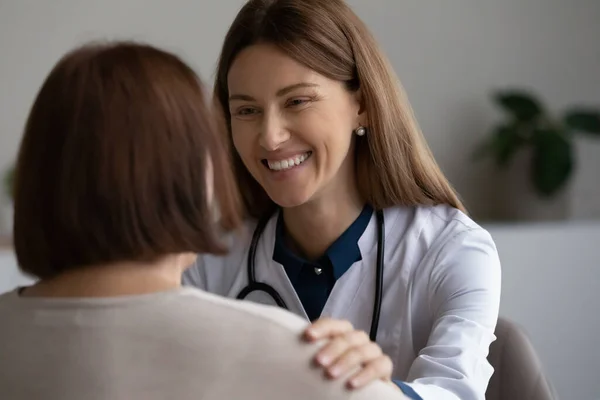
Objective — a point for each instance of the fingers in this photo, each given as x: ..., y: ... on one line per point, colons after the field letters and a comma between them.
x: 380, y: 368
x: 327, y: 328
x: 338, y: 346
x: 348, y: 350
x: 353, y: 358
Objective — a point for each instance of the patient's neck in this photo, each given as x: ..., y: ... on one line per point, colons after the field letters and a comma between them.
x: 118, y: 279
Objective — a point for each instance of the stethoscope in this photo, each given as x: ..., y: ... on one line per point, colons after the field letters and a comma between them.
x: 254, y: 286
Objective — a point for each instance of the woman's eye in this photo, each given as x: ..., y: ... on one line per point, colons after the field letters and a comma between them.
x: 297, y: 102
x: 246, y: 111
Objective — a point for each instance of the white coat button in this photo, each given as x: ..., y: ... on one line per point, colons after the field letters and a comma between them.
x: 318, y: 271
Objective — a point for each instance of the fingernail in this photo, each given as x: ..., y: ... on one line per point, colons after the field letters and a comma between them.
x: 312, y: 332
x: 335, y: 372
x: 324, y: 360
x: 355, y: 382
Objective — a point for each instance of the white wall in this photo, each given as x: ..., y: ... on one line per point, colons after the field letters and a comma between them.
x: 10, y: 276
x: 550, y: 286
x: 449, y: 54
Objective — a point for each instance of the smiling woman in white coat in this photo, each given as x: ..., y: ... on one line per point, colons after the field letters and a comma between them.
x: 350, y: 222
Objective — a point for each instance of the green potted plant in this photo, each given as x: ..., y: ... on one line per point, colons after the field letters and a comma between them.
x: 6, y: 206
x: 549, y: 137
x: 8, y: 182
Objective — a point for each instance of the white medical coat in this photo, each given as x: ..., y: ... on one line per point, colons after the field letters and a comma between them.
x: 441, y: 294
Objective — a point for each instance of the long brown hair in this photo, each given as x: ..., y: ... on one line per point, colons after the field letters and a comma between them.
x: 394, y: 164
x: 113, y: 163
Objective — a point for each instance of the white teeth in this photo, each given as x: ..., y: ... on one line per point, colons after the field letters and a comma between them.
x: 289, y: 163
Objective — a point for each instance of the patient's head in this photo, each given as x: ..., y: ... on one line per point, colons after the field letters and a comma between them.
x: 116, y: 163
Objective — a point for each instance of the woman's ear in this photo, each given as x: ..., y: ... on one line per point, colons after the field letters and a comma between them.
x: 362, y: 108
x: 360, y: 102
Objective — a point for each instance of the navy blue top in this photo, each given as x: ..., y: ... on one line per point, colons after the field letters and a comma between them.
x: 314, y: 280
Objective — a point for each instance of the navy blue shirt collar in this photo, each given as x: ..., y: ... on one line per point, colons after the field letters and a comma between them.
x: 339, y: 256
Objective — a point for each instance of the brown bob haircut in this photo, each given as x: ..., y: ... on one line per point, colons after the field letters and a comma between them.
x: 394, y: 164
x: 113, y: 163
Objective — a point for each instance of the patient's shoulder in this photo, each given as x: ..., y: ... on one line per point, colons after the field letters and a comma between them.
x: 279, y: 350
x: 246, y: 311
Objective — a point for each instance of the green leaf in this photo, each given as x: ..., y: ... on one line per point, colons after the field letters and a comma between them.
x: 583, y: 120
x: 505, y: 142
x: 522, y: 105
x: 502, y: 145
x: 8, y: 182
x: 552, y: 161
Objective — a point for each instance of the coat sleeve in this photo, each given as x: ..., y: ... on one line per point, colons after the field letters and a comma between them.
x: 464, y: 299
x: 216, y: 273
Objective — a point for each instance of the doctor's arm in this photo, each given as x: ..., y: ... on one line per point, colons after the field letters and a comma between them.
x: 464, y: 299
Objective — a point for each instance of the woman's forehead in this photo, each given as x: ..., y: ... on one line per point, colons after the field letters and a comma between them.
x: 265, y: 68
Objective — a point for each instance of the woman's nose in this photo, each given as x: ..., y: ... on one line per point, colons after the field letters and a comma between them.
x: 273, y: 132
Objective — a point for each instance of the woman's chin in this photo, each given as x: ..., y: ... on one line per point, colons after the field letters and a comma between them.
x: 289, y: 200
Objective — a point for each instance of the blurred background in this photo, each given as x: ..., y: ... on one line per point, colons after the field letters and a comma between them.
x: 506, y: 92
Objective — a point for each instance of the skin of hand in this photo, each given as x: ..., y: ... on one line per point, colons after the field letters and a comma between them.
x: 348, y: 349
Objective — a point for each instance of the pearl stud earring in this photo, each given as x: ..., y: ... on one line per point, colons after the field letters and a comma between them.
x: 361, y: 130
